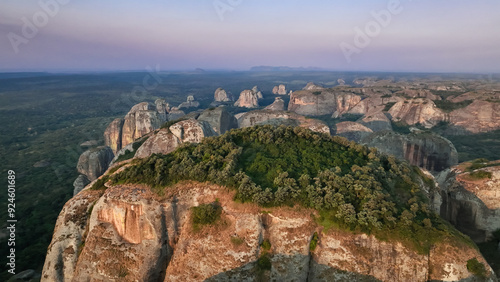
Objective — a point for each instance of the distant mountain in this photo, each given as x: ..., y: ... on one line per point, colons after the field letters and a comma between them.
x: 284, y: 68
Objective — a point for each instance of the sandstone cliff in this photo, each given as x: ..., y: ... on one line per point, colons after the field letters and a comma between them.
x: 480, y: 116
x: 190, y: 103
x: 352, y: 130
x: 219, y: 119
x: 472, y: 204
x: 139, y: 121
x: 419, y: 110
x: 429, y: 151
x: 322, y: 102
x: 248, y: 99
x: 101, y: 236
x: 260, y: 117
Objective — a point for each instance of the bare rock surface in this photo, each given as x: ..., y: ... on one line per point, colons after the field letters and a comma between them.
x: 221, y: 95
x: 279, y: 90
x: 322, y: 102
x: 420, y: 110
x: 248, y: 99
x: 277, y: 105
x: 219, y: 119
x: 480, y: 116
x: 352, y: 130
x: 94, y: 162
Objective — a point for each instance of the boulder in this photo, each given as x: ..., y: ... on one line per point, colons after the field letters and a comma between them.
x: 312, y: 86
x: 80, y: 182
x: 94, y: 162
x: 190, y: 103
x: 417, y: 111
x: 221, y: 95
x: 279, y: 90
x: 248, y: 99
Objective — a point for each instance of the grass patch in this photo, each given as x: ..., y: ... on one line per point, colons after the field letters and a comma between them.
x: 477, y: 268
x: 264, y: 262
x: 237, y: 241
x: 205, y: 214
x: 99, y: 184
x: 314, y: 242
x: 479, y: 174
x: 266, y: 245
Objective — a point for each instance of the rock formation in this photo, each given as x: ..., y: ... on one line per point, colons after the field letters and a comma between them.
x: 102, y: 235
x: 80, y: 182
x: 312, y: 86
x: 190, y: 103
x: 322, y: 102
x: 352, y: 130
x: 277, y: 105
x: 219, y: 119
x: 139, y: 121
x: 260, y: 117
x: 248, y: 99
x: 377, y: 121
x: 374, y: 104
x: 94, y: 162
x: 221, y: 95
x: 420, y: 110
x: 279, y: 90
x: 471, y: 205
x: 257, y: 92
x: 480, y: 116
x: 175, y: 114
x: 426, y: 150
x: 167, y: 140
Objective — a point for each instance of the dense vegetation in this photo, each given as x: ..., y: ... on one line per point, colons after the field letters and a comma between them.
x: 353, y: 187
x: 449, y: 106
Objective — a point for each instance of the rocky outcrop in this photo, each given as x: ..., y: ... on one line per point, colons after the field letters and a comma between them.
x: 248, y: 99
x: 472, y: 205
x: 175, y: 114
x: 219, y: 119
x: 419, y: 110
x: 221, y: 95
x: 101, y: 236
x: 167, y: 140
x: 142, y: 119
x: 80, y: 182
x: 257, y: 92
x: 261, y: 117
x: 279, y: 90
x: 322, y: 102
x: 94, y: 162
x: 277, y: 105
x: 377, y: 121
x: 480, y: 116
x: 417, y: 93
x: 426, y: 150
x: 352, y: 130
x: 374, y: 104
x: 312, y: 86
x: 190, y: 103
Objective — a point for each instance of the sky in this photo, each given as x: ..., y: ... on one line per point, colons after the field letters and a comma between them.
x: 358, y: 35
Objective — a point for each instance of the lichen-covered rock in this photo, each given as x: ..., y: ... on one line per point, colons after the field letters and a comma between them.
x: 352, y: 130
x: 221, y: 95
x: 94, y: 162
x: 191, y: 130
x: 261, y: 117
x: 277, y: 105
x: 420, y: 110
x: 219, y: 119
x: 426, y: 150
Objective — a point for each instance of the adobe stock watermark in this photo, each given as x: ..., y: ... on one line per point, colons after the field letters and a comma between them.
x: 31, y: 27
x: 223, y: 6
x: 363, y: 36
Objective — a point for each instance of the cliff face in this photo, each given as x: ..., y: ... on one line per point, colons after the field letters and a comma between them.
x: 472, y: 205
x: 248, y: 99
x: 352, y: 130
x: 277, y: 105
x: 101, y: 235
x: 221, y: 95
x: 219, y: 119
x: 279, y: 90
x: 480, y: 116
x: 419, y: 110
x: 167, y: 140
x: 94, y: 162
x: 425, y: 150
x: 139, y: 121
x: 321, y: 102
x: 260, y: 117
